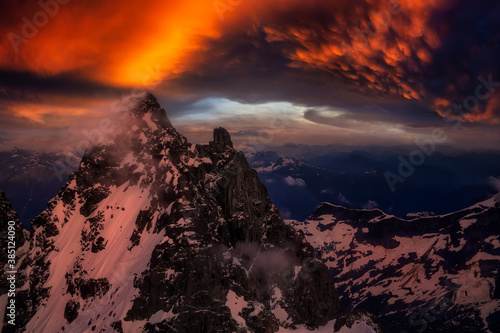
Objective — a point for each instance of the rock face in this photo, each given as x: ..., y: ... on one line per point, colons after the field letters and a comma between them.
x: 154, y: 234
x: 432, y: 274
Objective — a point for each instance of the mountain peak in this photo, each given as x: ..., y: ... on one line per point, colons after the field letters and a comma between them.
x: 158, y: 234
x: 149, y: 105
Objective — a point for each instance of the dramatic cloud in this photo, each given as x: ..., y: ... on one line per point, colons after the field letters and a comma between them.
x: 377, y: 46
x: 338, y: 53
x: 389, y: 68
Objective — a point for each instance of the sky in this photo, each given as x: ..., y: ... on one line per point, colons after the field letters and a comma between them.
x: 352, y: 72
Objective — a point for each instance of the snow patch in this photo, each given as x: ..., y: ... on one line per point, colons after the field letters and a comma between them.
x: 236, y: 304
x: 493, y: 240
x: 465, y: 223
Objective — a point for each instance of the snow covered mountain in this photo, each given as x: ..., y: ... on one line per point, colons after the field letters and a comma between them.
x: 268, y: 161
x: 427, y: 274
x: 154, y: 234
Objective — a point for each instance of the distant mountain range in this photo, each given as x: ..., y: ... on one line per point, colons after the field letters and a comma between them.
x: 31, y: 179
x: 444, y: 183
x: 357, y: 179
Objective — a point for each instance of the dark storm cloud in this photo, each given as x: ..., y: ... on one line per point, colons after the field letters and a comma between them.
x: 351, y: 62
x: 318, y: 53
x: 322, y: 37
x: 29, y: 86
x: 470, y: 48
x: 249, y: 69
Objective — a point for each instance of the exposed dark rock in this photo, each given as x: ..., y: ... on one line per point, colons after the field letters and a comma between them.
x: 13, y: 236
x: 98, y: 245
x: 6, y: 215
x: 71, y: 310
x: 91, y: 287
x: 222, y: 140
x: 117, y: 326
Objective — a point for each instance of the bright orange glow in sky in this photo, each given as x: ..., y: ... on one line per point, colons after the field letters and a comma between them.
x: 115, y: 42
x: 366, y: 51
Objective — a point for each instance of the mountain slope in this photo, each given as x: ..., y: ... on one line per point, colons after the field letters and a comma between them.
x: 155, y: 234
x: 429, y: 274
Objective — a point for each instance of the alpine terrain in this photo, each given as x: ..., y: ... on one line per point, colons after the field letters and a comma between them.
x: 422, y: 274
x: 154, y: 234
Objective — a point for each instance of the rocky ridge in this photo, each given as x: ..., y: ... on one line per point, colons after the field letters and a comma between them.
x: 152, y: 233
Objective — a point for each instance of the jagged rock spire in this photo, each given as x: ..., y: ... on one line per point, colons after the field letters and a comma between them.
x: 222, y: 140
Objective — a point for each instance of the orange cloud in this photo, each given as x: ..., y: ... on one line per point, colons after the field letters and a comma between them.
x: 57, y: 112
x: 37, y: 113
x: 490, y: 113
x: 396, y: 32
x: 120, y: 43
